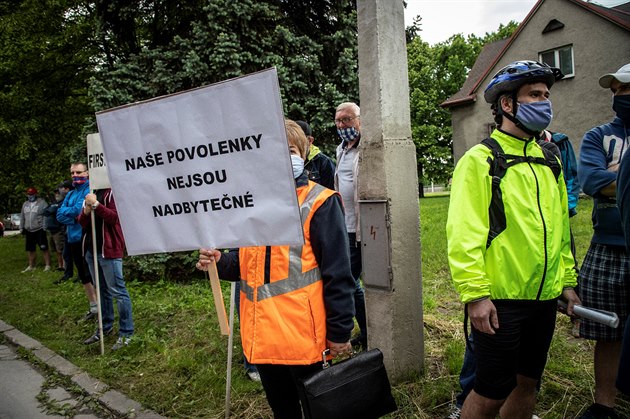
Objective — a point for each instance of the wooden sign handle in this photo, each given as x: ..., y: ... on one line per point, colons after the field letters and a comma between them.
x: 218, y: 299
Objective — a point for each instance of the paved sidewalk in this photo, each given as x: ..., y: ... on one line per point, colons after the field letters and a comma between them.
x: 27, y: 383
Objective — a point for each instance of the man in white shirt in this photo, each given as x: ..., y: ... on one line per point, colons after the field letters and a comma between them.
x: 348, y: 123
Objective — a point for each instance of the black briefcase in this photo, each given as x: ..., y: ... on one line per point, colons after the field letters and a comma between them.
x: 357, y: 387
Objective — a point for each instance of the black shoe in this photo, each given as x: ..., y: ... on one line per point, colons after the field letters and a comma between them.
x: 96, y: 337
x: 89, y: 316
x: 62, y: 279
x: 599, y: 411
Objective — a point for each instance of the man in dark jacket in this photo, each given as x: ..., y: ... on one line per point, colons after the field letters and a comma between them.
x: 56, y: 229
x: 604, y: 276
x: 319, y: 166
x: 110, y: 249
x: 623, y: 202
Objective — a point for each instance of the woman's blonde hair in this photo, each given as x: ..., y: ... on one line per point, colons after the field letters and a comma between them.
x: 296, y: 137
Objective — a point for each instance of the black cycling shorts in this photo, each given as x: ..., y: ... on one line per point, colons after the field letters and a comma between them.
x: 519, y: 346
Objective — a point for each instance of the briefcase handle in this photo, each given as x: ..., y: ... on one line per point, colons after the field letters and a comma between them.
x: 326, y: 352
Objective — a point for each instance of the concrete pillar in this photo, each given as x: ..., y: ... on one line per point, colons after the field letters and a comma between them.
x: 388, y: 191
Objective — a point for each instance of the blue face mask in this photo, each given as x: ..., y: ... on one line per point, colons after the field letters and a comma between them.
x: 621, y: 106
x: 535, y: 116
x: 298, y: 165
x: 348, y: 134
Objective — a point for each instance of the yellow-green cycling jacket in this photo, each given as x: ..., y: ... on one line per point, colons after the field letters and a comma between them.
x: 531, y: 259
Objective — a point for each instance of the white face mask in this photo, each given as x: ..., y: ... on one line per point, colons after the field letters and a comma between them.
x: 298, y: 165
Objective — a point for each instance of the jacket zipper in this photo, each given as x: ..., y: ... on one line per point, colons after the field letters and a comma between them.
x: 267, y: 271
x: 544, y: 225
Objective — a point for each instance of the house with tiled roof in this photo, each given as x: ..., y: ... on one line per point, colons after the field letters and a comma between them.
x: 583, y: 39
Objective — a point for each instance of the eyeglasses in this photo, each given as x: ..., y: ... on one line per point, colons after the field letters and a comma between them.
x: 346, y: 120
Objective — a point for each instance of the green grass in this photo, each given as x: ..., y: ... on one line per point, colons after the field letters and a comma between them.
x: 176, y: 364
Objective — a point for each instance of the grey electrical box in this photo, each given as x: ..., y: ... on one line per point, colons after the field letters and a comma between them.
x: 375, y: 244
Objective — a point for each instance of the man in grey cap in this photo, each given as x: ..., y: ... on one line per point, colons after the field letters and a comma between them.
x: 604, y: 280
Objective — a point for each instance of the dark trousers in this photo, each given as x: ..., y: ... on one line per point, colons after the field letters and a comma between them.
x: 280, y: 383
x: 67, y: 259
x: 77, y: 257
x: 467, y: 374
x: 359, y: 294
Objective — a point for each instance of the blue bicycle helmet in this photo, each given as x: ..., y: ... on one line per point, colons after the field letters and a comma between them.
x: 511, y: 77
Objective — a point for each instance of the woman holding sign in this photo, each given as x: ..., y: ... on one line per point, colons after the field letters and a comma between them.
x: 296, y: 301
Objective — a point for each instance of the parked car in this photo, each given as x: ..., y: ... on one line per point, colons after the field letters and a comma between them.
x: 12, y: 222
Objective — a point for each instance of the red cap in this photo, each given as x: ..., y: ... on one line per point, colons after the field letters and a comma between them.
x: 31, y: 191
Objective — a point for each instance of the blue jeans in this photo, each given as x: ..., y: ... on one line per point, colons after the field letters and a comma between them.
x: 359, y: 294
x: 112, y: 285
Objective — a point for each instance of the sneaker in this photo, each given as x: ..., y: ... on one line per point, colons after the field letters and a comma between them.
x: 28, y: 269
x: 90, y: 315
x: 121, y: 342
x: 455, y: 413
x: 254, y: 376
x: 47, y: 268
x: 96, y: 337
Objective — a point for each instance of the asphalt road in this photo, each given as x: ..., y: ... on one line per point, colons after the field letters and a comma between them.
x: 21, y: 384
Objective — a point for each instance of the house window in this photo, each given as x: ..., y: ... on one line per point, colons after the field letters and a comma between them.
x: 560, y: 57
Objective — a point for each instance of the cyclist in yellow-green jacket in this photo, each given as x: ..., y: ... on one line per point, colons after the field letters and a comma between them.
x: 509, y: 244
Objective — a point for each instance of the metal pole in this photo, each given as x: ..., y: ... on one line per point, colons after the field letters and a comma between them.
x: 228, y: 381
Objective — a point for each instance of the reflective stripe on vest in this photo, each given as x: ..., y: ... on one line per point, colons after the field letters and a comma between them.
x: 296, y: 279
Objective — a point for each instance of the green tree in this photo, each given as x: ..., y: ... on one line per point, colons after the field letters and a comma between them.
x: 436, y: 73
x: 311, y: 43
x: 45, y: 63
x: 62, y: 59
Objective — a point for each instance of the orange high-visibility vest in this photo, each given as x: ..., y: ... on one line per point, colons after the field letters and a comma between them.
x: 283, y: 318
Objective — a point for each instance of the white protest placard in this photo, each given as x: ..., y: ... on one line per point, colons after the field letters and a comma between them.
x: 208, y: 167
x: 97, y: 166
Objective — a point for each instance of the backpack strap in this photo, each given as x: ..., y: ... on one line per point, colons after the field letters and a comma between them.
x: 552, y: 154
x: 499, y: 163
x: 496, y: 211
